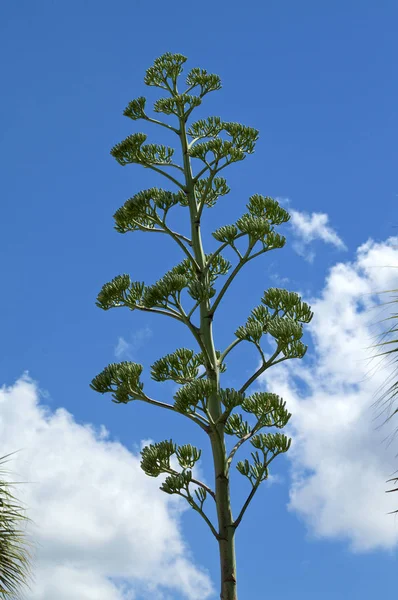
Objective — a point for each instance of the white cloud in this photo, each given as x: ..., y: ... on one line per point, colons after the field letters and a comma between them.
x: 128, y: 349
x: 312, y: 227
x: 339, y: 457
x: 102, y: 529
x: 275, y: 276
x: 122, y: 347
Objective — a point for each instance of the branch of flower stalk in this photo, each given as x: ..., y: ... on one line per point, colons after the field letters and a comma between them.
x: 171, y: 165
x: 166, y: 229
x: 190, y: 88
x: 177, y: 238
x: 174, y: 235
x: 261, y: 370
x: 198, y: 419
x: 239, y: 340
x: 205, y: 487
x: 186, y: 115
x: 229, y: 348
x: 244, y: 439
x: 208, y: 167
x: 176, y: 303
x: 265, y: 249
x: 178, y: 235
x: 189, y: 315
x: 151, y: 120
x: 222, y: 166
x: 175, y: 181
x: 280, y: 360
x: 167, y: 313
x: 260, y: 351
x: 168, y: 88
x: 253, y: 491
x: 205, y: 410
x: 193, y: 504
x: 208, y: 187
x: 203, y: 171
x: 196, y: 482
x: 194, y: 140
x: 236, y: 251
x: 245, y: 259
x: 194, y: 330
x: 239, y: 443
x: 221, y: 248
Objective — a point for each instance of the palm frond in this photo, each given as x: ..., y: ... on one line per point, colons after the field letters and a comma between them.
x: 15, y: 558
x: 390, y: 396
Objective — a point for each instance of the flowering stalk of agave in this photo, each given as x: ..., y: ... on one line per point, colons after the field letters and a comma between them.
x: 191, y: 293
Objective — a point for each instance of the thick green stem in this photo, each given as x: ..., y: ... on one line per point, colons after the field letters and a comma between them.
x: 226, y: 529
x: 206, y: 317
x: 228, y: 567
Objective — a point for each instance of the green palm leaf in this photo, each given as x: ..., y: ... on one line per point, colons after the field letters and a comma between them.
x: 15, y: 557
x: 391, y: 394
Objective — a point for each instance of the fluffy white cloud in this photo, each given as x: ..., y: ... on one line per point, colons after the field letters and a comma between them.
x: 312, y: 227
x: 340, y: 460
x: 101, y: 527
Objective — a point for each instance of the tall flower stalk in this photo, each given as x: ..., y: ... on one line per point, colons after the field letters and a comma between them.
x: 192, y: 293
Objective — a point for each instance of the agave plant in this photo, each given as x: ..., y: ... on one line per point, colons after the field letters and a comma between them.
x: 192, y: 293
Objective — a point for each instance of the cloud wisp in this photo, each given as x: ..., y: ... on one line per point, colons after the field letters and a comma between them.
x: 128, y: 349
x: 308, y: 228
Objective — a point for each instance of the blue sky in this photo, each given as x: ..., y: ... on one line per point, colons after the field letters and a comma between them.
x: 318, y: 80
